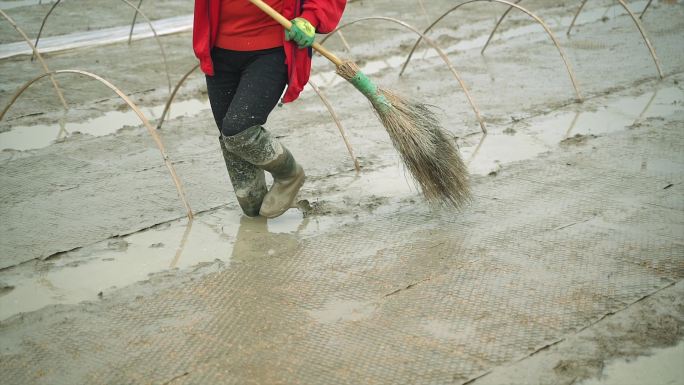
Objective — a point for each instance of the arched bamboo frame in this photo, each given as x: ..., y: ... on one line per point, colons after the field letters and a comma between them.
x: 323, y: 98
x: 641, y: 16
x: 571, y: 73
x: 498, y: 22
x: 135, y: 17
x: 423, y: 10
x: 574, y: 18
x: 156, y: 37
x: 153, y: 133
x: 137, y: 10
x: 42, y: 25
x: 656, y: 60
x: 46, y: 70
x: 344, y: 41
x: 432, y: 44
x: 172, y: 96
x: 332, y: 112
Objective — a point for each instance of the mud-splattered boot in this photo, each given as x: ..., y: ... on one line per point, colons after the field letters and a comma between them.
x: 259, y: 147
x: 248, y: 182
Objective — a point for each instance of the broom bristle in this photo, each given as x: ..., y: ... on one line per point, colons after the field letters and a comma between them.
x: 348, y: 69
x: 425, y: 148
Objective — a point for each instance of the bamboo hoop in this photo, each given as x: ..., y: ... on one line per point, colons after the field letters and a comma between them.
x: 42, y: 25
x: 647, y: 41
x: 149, y: 22
x: 173, y: 95
x: 641, y: 16
x: 571, y: 73
x: 135, y: 17
x: 344, y: 41
x: 334, y: 116
x: 423, y: 10
x: 46, y: 70
x: 491, y: 35
x: 574, y: 18
x: 439, y: 51
x: 156, y: 37
x: 155, y: 136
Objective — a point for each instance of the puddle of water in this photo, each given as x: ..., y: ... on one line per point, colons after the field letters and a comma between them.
x: 225, y: 234
x: 231, y: 221
x: 615, y: 115
x: 38, y: 136
x: 392, y: 181
x: 222, y: 235
x: 343, y: 310
x: 534, y: 136
x: 664, y: 367
x: 527, y: 140
x: 119, y: 262
x: 495, y: 150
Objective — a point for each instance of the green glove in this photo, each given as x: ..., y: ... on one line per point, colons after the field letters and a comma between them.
x: 302, y: 32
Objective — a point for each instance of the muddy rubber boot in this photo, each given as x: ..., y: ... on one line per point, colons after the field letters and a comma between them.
x: 259, y: 147
x: 288, y: 178
x: 249, y: 182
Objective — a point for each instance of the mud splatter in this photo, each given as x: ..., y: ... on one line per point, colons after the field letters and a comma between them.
x: 577, y: 140
x: 5, y: 288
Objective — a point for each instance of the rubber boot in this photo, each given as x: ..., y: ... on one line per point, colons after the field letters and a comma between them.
x: 249, y: 182
x: 259, y: 147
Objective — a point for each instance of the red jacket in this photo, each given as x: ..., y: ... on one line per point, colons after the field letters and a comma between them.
x: 322, y: 14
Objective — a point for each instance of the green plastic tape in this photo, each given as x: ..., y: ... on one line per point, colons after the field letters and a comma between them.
x: 366, y: 86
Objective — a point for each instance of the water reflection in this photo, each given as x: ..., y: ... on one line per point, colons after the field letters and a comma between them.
x: 181, y: 247
x: 211, y: 242
x: 41, y: 135
x: 528, y: 138
x: 572, y: 124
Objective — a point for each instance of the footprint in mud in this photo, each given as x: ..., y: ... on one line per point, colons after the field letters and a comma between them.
x: 118, y: 244
x: 320, y: 208
x: 317, y: 208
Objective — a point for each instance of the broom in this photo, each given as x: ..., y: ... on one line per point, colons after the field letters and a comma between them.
x: 423, y: 145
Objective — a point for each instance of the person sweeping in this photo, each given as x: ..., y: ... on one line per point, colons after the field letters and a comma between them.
x: 249, y: 59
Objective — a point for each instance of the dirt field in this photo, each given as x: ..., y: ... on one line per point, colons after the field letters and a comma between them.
x: 568, y: 261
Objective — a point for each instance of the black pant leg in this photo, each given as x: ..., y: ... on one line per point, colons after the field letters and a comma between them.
x: 261, y: 85
x: 222, y: 85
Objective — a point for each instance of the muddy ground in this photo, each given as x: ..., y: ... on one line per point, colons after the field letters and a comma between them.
x: 93, y: 232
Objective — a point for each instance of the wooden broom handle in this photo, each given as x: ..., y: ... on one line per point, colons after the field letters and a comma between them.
x: 287, y: 25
